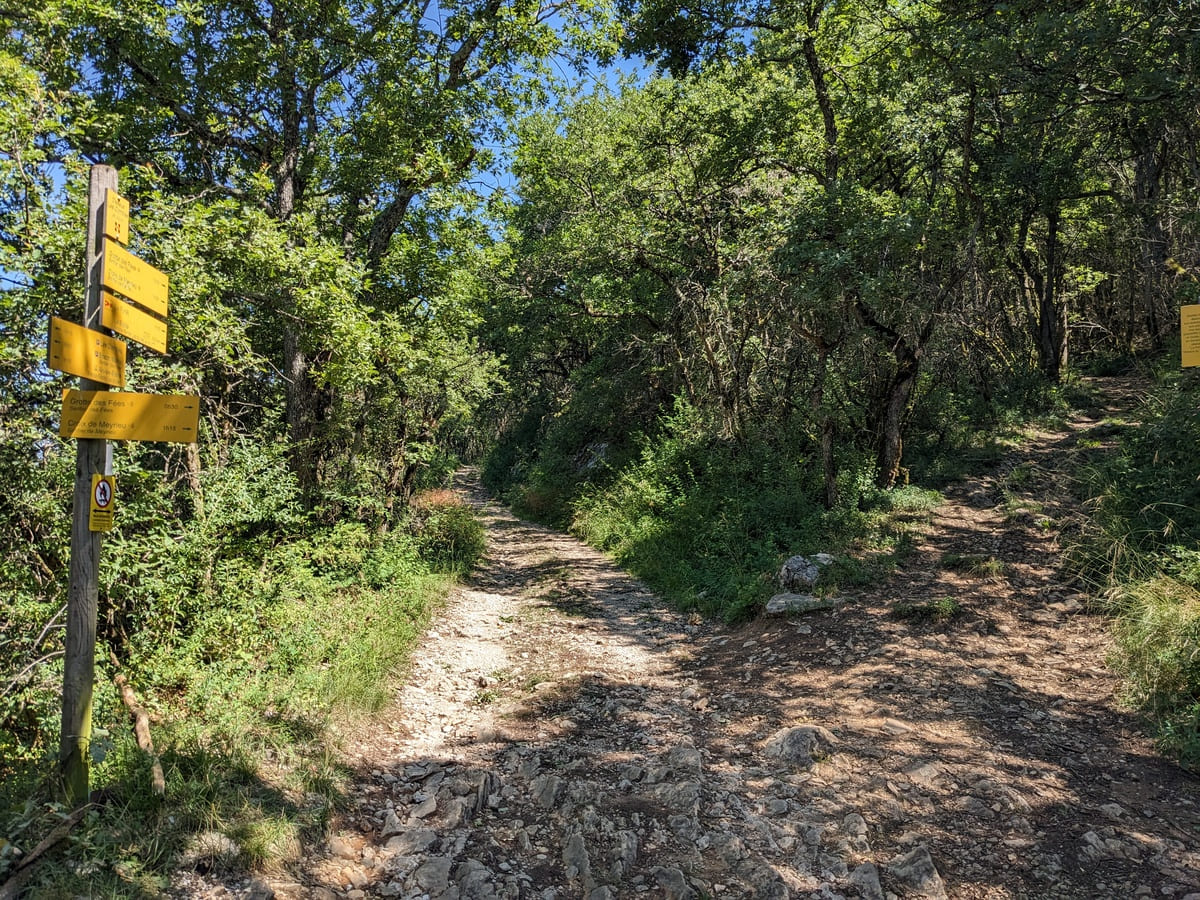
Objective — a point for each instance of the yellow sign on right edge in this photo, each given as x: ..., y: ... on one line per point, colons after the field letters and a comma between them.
x: 1189, y: 332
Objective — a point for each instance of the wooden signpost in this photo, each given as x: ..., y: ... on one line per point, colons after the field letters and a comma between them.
x: 93, y: 415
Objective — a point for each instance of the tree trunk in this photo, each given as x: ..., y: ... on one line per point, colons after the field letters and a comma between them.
x: 302, y: 414
x: 1050, y: 327
x: 1148, y: 166
x: 828, y: 462
x: 895, y: 405
x: 828, y: 432
x: 889, y: 418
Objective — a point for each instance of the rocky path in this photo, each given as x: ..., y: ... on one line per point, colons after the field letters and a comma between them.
x: 564, y: 736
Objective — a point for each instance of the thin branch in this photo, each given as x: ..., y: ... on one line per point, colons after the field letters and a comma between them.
x: 15, y: 683
x: 12, y: 888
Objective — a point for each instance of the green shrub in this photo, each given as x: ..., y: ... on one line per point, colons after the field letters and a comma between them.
x: 247, y: 631
x: 1145, y: 498
x: 1157, y: 631
x: 1138, y: 547
x: 977, y: 565
x: 707, y: 522
x: 942, y: 609
x: 448, y: 535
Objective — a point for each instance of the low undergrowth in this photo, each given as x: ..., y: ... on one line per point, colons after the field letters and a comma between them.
x: 939, y: 610
x: 1156, y: 624
x: 253, y: 638
x: 707, y: 522
x: 1139, y: 550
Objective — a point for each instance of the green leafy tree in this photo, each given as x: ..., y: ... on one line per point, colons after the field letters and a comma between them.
x: 335, y: 124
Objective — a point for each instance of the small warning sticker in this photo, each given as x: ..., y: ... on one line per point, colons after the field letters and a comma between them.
x: 100, y: 517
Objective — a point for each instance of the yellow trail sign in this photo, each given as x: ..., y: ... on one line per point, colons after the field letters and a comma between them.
x: 116, y: 216
x: 125, y: 318
x: 1189, y: 333
x: 122, y: 416
x: 124, y: 273
x: 89, y: 354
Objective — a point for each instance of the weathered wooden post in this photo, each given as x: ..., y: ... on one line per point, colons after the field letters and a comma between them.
x: 83, y: 593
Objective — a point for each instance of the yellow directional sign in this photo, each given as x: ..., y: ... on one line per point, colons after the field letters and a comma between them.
x: 100, y: 516
x: 116, y: 216
x: 123, y: 272
x: 1189, y: 328
x: 125, y: 318
x: 89, y: 354
x: 122, y: 416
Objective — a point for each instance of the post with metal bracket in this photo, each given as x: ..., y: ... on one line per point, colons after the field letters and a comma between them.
x: 83, y: 594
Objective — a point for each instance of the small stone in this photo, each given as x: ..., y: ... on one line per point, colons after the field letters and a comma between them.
x: 686, y: 759
x: 1113, y: 810
x: 924, y: 774
x: 472, y: 878
x: 728, y: 848
x: 978, y: 808
x: 673, y: 884
x: 782, y: 604
x: 412, y: 841
x: 625, y: 853
x: 855, y: 825
x: 545, y: 790
x: 916, y: 872
x: 343, y: 848
x: 802, y: 745
x: 685, y: 827
x: 799, y: 573
x: 391, y: 826
x: 763, y: 881
x: 682, y: 798
x: 866, y: 879
x: 434, y: 874
x: 576, y: 861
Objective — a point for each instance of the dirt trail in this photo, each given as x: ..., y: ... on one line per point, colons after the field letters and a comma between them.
x: 565, y: 736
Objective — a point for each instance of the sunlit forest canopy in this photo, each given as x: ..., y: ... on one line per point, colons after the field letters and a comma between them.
x: 808, y: 257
